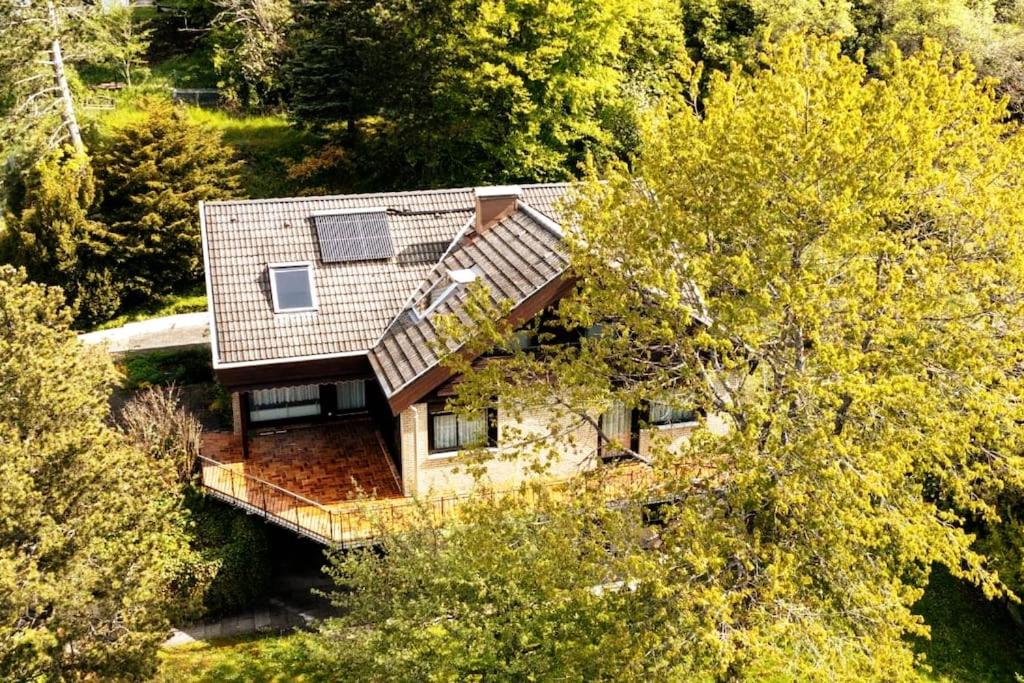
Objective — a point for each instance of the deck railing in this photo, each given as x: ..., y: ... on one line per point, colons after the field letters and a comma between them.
x: 353, y: 523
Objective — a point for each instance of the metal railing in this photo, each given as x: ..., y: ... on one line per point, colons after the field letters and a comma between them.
x: 352, y: 523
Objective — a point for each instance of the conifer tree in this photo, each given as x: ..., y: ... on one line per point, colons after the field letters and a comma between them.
x: 152, y: 173
x: 93, y: 554
x: 51, y: 235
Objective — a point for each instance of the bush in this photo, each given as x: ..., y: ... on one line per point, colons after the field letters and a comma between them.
x: 159, y: 425
x: 236, y: 544
x: 160, y: 368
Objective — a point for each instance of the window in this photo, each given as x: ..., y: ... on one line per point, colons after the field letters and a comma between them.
x: 291, y: 287
x: 284, y: 403
x: 351, y: 395
x: 619, y: 426
x: 662, y: 414
x: 451, y: 432
x: 441, y: 290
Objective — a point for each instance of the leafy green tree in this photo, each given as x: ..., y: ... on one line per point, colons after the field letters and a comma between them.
x: 525, y: 588
x: 118, y: 37
x: 721, y: 32
x: 472, y: 92
x: 249, y: 40
x: 152, y: 172
x: 830, y: 265
x: 991, y: 32
x: 93, y: 554
x: 50, y: 234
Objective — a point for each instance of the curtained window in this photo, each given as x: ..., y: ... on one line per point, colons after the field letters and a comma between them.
x: 351, y: 395
x: 665, y: 414
x: 451, y: 432
x: 284, y: 402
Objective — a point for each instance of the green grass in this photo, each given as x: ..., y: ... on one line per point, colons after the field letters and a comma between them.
x: 265, y: 143
x: 257, y: 659
x: 192, y: 301
x: 972, y: 639
x: 189, y: 366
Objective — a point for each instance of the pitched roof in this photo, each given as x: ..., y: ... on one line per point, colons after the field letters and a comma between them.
x: 358, y: 301
x: 514, y: 260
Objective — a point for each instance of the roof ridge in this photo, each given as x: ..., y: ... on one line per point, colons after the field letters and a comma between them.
x: 364, y: 195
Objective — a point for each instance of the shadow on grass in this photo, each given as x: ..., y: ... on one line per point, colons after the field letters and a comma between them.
x: 972, y: 639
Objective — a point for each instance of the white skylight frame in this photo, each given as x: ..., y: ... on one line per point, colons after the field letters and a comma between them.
x: 294, y: 265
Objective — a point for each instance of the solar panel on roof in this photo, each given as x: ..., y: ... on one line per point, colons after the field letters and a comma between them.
x: 354, y: 236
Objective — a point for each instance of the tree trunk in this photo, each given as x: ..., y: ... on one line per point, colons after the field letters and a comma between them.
x: 68, y: 112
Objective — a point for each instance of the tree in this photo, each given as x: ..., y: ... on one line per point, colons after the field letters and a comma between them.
x: 249, y: 36
x: 989, y: 31
x: 35, y: 99
x: 721, y: 32
x: 152, y: 173
x: 51, y: 235
x: 471, y: 92
x: 830, y: 264
x: 93, y: 555
x: 525, y: 588
x: 119, y: 38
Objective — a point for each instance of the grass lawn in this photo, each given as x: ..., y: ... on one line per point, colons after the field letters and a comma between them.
x: 265, y: 144
x: 254, y: 659
x: 972, y: 639
x: 192, y: 301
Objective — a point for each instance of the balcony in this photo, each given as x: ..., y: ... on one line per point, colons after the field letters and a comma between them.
x: 325, y: 482
x: 336, y: 483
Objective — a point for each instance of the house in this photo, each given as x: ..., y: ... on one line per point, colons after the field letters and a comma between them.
x: 323, y: 331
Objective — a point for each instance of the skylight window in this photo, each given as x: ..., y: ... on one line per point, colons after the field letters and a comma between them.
x: 291, y: 287
x: 442, y: 289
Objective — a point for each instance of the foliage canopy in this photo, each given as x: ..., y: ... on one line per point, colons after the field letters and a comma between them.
x: 94, y: 559
x: 831, y: 263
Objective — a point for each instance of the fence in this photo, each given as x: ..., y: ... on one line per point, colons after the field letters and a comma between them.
x: 350, y: 524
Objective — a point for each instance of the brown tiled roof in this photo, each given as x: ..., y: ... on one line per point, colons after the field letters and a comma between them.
x: 357, y: 301
x: 514, y: 259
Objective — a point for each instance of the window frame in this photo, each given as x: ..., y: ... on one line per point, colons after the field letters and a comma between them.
x: 254, y: 410
x: 292, y: 266
x: 338, y: 410
x: 491, y: 423
x: 671, y: 424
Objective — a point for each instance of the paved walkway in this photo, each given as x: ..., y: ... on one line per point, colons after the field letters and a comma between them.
x: 170, y: 332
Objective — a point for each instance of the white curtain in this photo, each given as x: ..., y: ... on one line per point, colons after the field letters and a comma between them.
x: 446, y: 432
x: 661, y: 413
x: 665, y: 414
x: 351, y: 395
x: 615, y: 423
x: 284, y: 402
x: 473, y: 431
x: 452, y: 432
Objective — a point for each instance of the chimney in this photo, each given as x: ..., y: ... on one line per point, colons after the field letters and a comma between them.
x: 494, y: 203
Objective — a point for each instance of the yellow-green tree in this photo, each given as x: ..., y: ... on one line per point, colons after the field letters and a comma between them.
x: 831, y: 265
x: 94, y: 558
